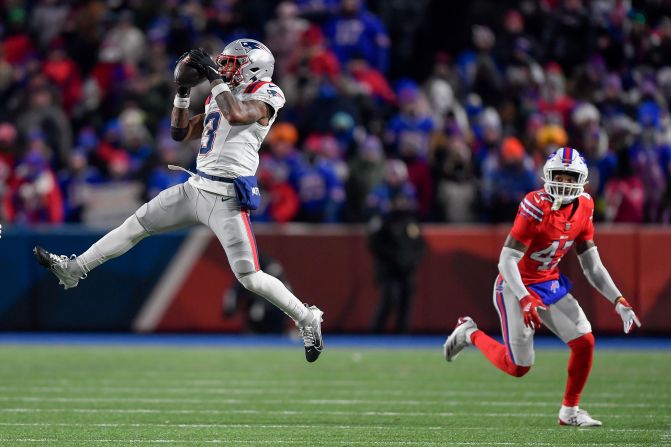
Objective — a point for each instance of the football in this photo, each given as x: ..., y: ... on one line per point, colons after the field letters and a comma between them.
x: 187, y: 76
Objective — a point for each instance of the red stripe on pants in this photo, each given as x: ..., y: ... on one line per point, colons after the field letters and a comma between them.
x: 252, y: 239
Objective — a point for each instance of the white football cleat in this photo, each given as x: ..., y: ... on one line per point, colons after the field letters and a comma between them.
x: 59, y: 266
x: 459, y: 338
x: 312, y: 334
x: 576, y: 417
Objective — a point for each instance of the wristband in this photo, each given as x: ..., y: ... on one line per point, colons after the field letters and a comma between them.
x: 181, y: 103
x: 219, y: 88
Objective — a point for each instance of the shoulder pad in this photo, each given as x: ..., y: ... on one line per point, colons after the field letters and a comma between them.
x: 532, y: 206
x: 267, y: 92
x: 587, y: 201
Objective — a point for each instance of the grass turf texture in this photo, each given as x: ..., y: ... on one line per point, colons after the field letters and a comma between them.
x: 95, y: 396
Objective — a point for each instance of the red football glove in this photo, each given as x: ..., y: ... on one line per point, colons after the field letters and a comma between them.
x: 529, y: 305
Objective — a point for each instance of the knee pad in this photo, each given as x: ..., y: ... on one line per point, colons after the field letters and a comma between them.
x: 253, y: 282
x: 240, y: 251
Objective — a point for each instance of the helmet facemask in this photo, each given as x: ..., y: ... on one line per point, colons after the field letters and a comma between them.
x: 567, y: 163
x: 244, y: 61
x: 231, y: 68
x: 564, y: 191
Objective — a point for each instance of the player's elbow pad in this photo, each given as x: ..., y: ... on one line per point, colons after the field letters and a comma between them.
x: 178, y: 133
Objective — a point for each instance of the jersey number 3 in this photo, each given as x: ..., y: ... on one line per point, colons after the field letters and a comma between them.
x: 546, y: 257
x: 211, y: 124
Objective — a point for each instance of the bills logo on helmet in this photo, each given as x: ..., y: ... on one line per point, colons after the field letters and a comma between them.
x: 567, y: 156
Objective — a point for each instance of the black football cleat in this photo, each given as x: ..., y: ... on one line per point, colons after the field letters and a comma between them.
x: 312, y: 335
x: 58, y: 265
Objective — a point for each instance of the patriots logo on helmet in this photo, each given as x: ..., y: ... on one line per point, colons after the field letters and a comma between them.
x: 274, y: 93
x: 248, y: 45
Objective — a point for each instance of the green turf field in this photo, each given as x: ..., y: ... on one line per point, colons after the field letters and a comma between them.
x: 88, y: 396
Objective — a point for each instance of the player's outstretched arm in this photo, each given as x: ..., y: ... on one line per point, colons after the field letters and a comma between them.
x: 600, y: 279
x: 234, y: 110
x: 511, y: 254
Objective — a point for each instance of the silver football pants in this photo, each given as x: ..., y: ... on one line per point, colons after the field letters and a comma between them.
x: 183, y: 206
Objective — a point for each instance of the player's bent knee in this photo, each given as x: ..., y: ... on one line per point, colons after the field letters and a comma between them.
x: 243, y: 267
x: 584, y: 342
x: 519, y: 371
x: 252, y: 282
x: 140, y: 217
x: 134, y: 228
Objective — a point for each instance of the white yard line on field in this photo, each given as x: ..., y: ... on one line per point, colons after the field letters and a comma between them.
x: 410, y: 402
x: 284, y: 426
x: 298, y: 390
x: 157, y: 380
x: 393, y: 414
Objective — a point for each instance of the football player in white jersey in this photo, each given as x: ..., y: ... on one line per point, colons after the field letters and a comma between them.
x: 238, y: 114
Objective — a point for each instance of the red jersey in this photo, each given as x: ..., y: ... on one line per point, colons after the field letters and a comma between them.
x: 549, y: 234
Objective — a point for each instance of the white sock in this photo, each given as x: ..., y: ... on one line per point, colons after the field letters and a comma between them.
x: 274, y: 291
x: 568, y: 410
x: 113, y: 244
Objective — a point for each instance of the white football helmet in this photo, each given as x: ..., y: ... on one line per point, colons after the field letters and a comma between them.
x: 245, y: 60
x: 565, y: 160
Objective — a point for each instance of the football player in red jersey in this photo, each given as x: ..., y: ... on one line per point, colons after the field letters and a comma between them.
x: 530, y: 290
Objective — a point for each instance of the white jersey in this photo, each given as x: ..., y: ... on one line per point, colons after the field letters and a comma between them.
x: 232, y: 151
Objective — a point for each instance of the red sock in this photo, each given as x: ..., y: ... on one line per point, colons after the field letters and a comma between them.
x: 579, y: 366
x: 497, y: 354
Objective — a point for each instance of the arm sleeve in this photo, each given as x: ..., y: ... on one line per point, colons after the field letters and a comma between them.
x: 511, y: 273
x: 597, y: 275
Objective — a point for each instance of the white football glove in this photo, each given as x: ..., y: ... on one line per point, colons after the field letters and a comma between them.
x: 624, y: 309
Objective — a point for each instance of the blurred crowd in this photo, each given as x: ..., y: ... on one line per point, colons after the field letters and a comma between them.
x: 438, y: 107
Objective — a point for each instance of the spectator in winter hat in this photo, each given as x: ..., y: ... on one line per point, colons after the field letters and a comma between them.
x: 505, y: 183
x: 33, y: 194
